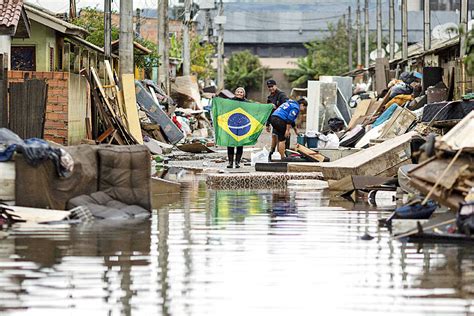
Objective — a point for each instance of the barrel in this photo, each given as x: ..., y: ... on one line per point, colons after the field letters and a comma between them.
x: 312, y: 142
x: 301, y: 139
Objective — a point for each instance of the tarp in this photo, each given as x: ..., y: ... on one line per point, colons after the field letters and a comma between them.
x: 238, y: 123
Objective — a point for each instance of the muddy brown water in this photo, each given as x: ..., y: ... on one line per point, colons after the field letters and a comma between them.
x: 265, y: 252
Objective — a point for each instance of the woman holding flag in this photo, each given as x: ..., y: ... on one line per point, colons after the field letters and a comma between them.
x: 239, y: 96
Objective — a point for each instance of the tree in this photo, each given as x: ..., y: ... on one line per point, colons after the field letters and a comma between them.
x: 244, y: 69
x: 201, y: 56
x: 93, y: 21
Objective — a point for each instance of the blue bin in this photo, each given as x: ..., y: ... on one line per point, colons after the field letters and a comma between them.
x: 312, y: 142
x: 301, y: 139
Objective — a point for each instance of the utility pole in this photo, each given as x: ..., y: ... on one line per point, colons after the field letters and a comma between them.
x: 349, y: 34
x: 186, y: 49
x: 126, y: 37
x: 427, y: 25
x: 359, y: 48
x: 163, y: 72
x: 379, y: 29
x: 392, y: 28
x: 463, y: 22
x: 138, y: 24
x: 366, y: 33
x: 107, y: 29
x: 72, y: 9
x: 404, y: 30
x: 220, y: 50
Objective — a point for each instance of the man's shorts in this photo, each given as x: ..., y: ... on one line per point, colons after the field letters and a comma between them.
x: 279, y: 127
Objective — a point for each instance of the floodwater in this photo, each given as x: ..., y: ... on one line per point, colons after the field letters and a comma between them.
x: 209, y: 252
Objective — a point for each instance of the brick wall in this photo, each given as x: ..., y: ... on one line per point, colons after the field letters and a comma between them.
x: 56, y: 124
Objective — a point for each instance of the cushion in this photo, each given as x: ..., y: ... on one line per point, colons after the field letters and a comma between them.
x: 124, y: 174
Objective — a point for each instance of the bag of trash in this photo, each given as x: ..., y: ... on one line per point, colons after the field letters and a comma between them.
x: 259, y: 156
x: 465, y: 219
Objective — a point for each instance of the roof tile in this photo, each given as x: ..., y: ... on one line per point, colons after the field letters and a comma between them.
x: 10, y: 12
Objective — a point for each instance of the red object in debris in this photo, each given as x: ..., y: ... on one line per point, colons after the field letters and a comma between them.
x: 176, y: 122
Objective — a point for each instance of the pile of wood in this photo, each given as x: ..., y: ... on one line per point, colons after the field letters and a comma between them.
x: 113, y: 116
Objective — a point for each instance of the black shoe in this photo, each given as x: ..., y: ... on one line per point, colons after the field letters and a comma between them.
x: 230, y: 166
x: 237, y: 165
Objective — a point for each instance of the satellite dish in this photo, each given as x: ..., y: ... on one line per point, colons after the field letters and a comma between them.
x: 396, y: 48
x: 445, y: 31
x: 373, y: 54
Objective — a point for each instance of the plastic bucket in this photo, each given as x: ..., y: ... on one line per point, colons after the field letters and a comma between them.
x: 312, y: 142
x: 301, y: 139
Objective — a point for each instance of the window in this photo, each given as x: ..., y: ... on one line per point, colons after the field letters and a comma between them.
x: 23, y: 58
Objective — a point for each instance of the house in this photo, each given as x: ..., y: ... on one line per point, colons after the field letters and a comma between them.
x: 56, y: 51
x: 14, y: 24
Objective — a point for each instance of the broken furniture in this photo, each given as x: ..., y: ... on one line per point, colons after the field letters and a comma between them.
x: 120, y: 172
x: 382, y: 159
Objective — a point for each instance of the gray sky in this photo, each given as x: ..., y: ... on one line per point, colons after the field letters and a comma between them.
x: 63, y: 5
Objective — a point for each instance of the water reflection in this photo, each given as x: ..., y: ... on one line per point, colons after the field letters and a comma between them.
x: 208, y: 252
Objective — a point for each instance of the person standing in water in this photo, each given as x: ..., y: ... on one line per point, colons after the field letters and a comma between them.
x: 239, y: 96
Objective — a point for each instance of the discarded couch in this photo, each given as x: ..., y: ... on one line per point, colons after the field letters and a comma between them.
x: 113, y: 181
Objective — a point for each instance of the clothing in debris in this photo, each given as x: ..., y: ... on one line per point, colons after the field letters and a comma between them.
x: 35, y: 151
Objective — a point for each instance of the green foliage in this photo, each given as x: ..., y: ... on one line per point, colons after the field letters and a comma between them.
x: 244, y: 69
x: 147, y: 62
x: 327, y: 56
x: 201, y: 56
x: 469, y: 59
x: 93, y: 21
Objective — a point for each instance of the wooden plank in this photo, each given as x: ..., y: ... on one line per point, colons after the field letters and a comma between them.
x: 380, y: 74
x: 310, y: 154
x: 130, y: 103
x: 66, y: 57
x: 195, y: 148
x: 371, y: 161
x: 105, y: 134
x: 18, y: 114
x: 115, y: 89
x: 38, y: 215
x: 3, y: 90
x: 360, y: 111
x: 162, y: 186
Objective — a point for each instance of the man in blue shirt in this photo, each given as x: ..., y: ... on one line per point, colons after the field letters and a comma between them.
x: 282, y: 119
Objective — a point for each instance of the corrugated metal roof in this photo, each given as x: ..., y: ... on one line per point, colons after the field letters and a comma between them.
x: 265, y: 23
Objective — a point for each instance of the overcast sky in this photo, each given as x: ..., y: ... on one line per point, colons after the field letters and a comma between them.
x: 63, y: 5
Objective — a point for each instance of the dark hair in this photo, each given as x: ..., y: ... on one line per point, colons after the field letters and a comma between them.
x: 303, y: 101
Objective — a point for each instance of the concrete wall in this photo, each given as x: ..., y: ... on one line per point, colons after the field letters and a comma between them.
x: 42, y: 38
x: 56, y: 125
x: 5, y: 44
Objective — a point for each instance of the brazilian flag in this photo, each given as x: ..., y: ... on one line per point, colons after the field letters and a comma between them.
x: 238, y: 123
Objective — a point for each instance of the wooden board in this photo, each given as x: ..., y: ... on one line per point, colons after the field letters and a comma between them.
x: 130, y: 105
x: 310, y: 154
x: 7, y: 181
x: 162, y: 186
x: 195, y: 148
x: 28, y: 107
x: 360, y: 111
x: 370, y: 162
x: 38, y: 215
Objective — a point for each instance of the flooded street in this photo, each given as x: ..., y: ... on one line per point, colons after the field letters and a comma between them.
x: 233, y: 253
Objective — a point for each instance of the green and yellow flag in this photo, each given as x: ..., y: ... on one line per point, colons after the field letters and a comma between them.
x: 238, y: 123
